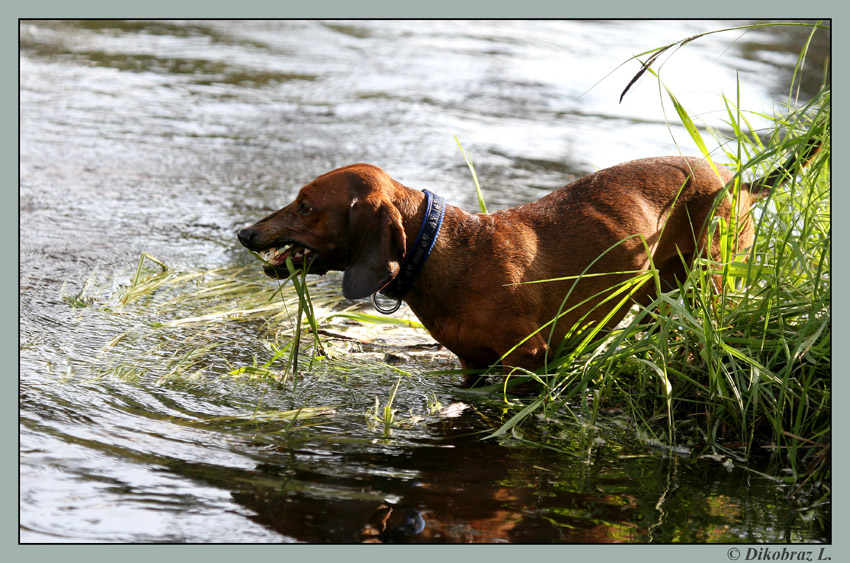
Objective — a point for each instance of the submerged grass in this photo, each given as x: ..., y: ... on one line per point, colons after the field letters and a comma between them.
x: 742, y: 366
x: 184, y: 315
x: 231, y: 328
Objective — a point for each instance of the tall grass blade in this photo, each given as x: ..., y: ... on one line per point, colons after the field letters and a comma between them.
x: 466, y: 156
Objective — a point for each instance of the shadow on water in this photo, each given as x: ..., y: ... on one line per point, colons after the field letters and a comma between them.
x: 164, y: 137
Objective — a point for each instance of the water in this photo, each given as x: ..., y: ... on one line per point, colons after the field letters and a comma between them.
x: 166, y: 137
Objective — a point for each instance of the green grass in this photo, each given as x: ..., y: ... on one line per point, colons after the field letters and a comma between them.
x: 742, y: 369
x: 384, y: 417
x: 468, y: 158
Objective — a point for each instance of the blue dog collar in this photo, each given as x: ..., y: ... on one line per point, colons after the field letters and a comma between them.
x: 435, y: 210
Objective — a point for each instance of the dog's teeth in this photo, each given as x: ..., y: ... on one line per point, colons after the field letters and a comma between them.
x: 298, y: 253
x: 272, y: 253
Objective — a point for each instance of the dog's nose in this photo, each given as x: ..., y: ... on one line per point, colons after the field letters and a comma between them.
x: 246, y: 236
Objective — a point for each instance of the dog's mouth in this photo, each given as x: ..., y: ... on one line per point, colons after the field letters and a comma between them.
x: 275, y: 259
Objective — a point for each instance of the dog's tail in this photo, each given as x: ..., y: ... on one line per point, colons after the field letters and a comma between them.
x: 780, y: 175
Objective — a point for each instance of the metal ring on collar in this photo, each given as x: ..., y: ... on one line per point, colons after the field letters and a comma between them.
x: 383, y: 310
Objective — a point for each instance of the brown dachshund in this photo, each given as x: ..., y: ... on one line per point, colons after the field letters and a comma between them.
x: 470, y: 292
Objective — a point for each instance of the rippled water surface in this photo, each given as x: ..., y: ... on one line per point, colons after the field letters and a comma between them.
x: 165, y: 137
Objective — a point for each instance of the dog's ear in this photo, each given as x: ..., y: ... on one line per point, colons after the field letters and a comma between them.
x: 376, y: 243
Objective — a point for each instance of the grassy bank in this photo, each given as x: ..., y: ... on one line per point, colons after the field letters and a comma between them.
x: 741, y: 368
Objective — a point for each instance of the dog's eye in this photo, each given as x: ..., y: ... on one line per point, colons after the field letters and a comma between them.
x: 304, y: 209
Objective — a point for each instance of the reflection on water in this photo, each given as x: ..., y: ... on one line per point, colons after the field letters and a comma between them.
x: 165, y: 137
x: 444, y: 493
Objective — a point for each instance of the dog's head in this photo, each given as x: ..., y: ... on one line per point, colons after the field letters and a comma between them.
x: 343, y: 220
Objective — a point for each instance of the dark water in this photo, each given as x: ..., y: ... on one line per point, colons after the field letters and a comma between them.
x: 165, y: 137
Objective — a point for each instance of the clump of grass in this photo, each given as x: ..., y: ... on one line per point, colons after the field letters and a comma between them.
x: 742, y: 367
